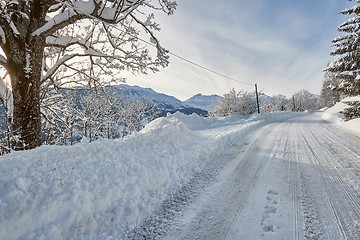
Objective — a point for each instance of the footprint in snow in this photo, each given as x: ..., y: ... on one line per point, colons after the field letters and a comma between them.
x: 269, y: 228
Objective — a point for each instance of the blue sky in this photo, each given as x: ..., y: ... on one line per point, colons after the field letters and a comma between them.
x: 282, y: 45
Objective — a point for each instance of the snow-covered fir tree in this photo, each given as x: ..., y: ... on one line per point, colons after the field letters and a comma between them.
x: 347, y: 65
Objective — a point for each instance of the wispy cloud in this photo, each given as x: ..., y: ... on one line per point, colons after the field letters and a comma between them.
x: 281, y: 45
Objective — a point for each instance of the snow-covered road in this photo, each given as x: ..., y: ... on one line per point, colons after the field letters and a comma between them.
x: 294, y: 179
x: 269, y: 176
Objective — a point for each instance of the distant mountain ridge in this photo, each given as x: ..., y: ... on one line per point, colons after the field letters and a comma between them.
x: 161, y: 100
x: 204, y: 102
x: 198, y: 103
x: 165, y: 103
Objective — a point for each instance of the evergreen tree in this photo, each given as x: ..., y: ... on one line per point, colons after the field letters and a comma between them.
x: 347, y: 66
x: 347, y: 48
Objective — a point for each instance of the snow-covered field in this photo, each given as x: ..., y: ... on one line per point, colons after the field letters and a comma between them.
x: 109, y: 189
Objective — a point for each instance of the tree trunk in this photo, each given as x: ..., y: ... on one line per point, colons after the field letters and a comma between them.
x: 24, y: 68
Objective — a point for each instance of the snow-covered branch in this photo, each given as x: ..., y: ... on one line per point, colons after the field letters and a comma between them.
x: 3, y: 60
x: 104, y: 11
x: 2, y: 36
x: 65, y: 41
x: 58, y: 22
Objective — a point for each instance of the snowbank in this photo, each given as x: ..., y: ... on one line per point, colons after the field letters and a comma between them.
x: 333, y: 115
x: 104, y: 188
x: 58, y: 192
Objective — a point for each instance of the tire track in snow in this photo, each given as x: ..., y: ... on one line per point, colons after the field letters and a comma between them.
x: 217, y: 215
x: 348, y: 150
x: 297, y: 160
x: 347, y: 190
x: 273, y: 141
x: 294, y: 188
x: 341, y: 197
x: 337, y: 221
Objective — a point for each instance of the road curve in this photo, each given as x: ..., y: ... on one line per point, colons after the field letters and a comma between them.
x: 297, y: 179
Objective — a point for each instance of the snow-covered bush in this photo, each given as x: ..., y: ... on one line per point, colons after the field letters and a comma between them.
x: 276, y: 103
x: 58, y: 117
x: 68, y: 116
x: 135, y: 114
x: 232, y: 103
x: 304, y: 100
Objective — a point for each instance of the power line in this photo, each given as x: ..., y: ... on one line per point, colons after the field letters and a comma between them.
x: 208, y: 69
x: 184, y: 59
x: 198, y: 65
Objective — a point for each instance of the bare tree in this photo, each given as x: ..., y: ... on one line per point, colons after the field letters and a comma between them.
x: 330, y: 93
x: 97, y: 116
x: 303, y: 100
x: 276, y: 103
x: 58, y: 116
x: 134, y: 114
x: 65, y: 42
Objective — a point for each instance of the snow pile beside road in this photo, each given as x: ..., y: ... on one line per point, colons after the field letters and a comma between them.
x: 56, y: 192
x: 105, y: 188
x: 333, y: 115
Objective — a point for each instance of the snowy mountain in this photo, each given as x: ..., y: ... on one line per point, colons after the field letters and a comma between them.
x: 161, y: 100
x: 165, y: 103
x: 202, y: 101
x: 263, y: 97
x: 172, y: 104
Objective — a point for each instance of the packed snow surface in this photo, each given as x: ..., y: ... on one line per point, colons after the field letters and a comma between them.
x: 106, y: 189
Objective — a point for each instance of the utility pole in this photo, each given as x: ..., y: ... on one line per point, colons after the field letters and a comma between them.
x: 257, y: 98
x: 293, y: 98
